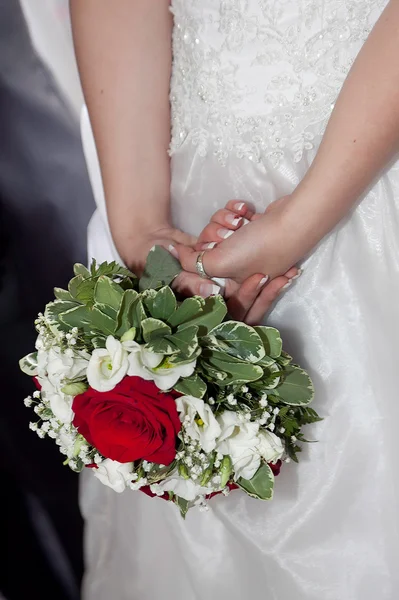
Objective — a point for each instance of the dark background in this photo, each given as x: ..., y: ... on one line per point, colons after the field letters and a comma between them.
x: 45, y: 206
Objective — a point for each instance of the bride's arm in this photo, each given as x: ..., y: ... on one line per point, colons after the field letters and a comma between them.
x: 123, y: 50
x: 362, y: 135
x: 361, y: 138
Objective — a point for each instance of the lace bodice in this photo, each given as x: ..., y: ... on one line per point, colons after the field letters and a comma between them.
x: 259, y: 78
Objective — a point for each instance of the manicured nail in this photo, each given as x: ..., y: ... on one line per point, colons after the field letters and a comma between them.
x: 221, y: 282
x: 300, y: 271
x: 208, y: 289
x: 173, y: 251
x: 263, y: 282
x: 239, y: 206
x: 287, y: 285
x: 245, y: 222
x: 233, y: 220
x: 225, y: 233
x: 210, y: 246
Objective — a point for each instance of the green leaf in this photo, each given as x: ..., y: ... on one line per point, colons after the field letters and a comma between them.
x: 297, y: 388
x: 79, y: 269
x: 213, y: 313
x: 74, y: 389
x: 93, y: 267
x: 98, y: 341
x: 112, y: 269
x: 54, y: 309
x: 285, y: 359
x: 191, y: 386
x: 164, y: 304
x: 129, y: 335
x: 180, y: 359
x: 188, y: 309
x: 236, y: 371
x: 108, y: 292
x: 107, y: 310
x: 137, y: 313
x: 185, y: 340
x: 123, y: 318
x: 78, y: 316
x: 61, y: 294
x: 214, y: 374
x: 226, y: 470
x: 102, y: 322
x: 153, y: 328
x: 239, y: 340
x: 159, y: 472
x: 271, y: 339
x: 162, y: 346
x: 28, y: 364
x: 271, y: 376
x: 85, y: 291
x: 73, y: 285
x: 161, y: 269
x: 267, y: 362
x: 182, y: 504
x: 261, y: 485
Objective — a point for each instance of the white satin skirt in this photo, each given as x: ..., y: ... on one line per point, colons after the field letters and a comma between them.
x: 331, y: 532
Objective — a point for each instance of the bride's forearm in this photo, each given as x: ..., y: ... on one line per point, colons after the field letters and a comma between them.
x: 124, y: 55
x: 361, y: 138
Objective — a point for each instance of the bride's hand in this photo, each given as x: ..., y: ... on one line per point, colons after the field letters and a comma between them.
x: 134, y: 252
x: 251, y: 300
x: 269, y: 245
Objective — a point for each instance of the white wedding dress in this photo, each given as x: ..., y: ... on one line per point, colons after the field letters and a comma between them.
x: 254, y: 82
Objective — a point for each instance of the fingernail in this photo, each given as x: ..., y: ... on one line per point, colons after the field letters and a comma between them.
x: 245, y: 222
x: 239, y: 205
x: 225, y: 233
x: 300, y: 271
x: 287, y: 285
x: 208, y: 289
x: 233, y: 220
x: 221, y: 282
x: 173, y: 251
x: 210, y: 246
x: 263, y: 282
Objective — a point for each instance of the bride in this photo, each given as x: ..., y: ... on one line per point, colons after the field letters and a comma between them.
x: 263, y: 110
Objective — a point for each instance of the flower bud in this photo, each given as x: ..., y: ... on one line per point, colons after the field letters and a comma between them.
x: 226, y: 469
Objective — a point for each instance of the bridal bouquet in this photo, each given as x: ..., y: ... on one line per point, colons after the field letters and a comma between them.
x: 161, y: 395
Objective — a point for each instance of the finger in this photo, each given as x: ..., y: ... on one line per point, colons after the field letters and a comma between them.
x: 190, y: 284
x: 227, y: 218
x: 214, y: 232
x: 212, y: 261
x: 238, y: 206
x: 293, y: 273
x: 265, y: 300
x: 242, y: 300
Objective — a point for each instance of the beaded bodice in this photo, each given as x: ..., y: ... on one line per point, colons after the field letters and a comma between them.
x: 259, y: 78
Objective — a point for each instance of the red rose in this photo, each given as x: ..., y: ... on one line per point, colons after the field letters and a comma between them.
x: 131, y: 422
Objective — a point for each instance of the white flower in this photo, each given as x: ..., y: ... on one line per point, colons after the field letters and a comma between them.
x: 198, y: 421
x: 107, y: 366
x: 61, y: 366
x: 60, y: 403
x: 270, y: 446
x: 114, y: 474
x: 146, y: 364
x: 239, y: 440
x: 184, y: 488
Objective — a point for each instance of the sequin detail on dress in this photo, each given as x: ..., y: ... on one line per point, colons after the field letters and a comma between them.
x: 300, y: 51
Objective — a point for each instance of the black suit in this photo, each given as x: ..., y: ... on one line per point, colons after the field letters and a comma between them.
x: 45, y: 205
